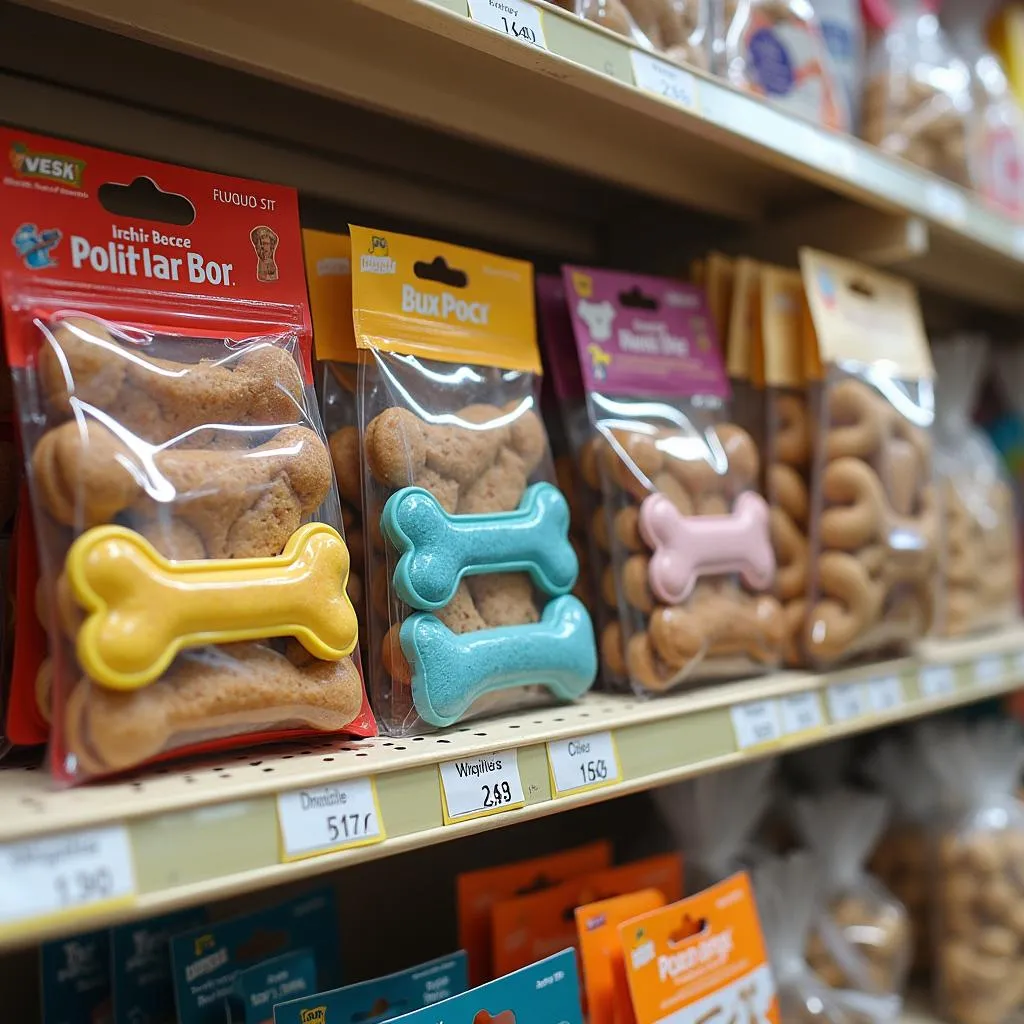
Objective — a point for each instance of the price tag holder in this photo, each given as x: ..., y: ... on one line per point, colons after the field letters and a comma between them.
x: 583, y: 763
x: 988, y: 671
x: 476, y: 787
x: 937, y: 681
x: 946, y: 203
x: 513, y: 18
x: 325, y: 819
x: 801, y: 713
x: 665, y: 79
x: 66, y: 876
x: 845, y: 701
x: 756, y: 724
x: 885, y: 694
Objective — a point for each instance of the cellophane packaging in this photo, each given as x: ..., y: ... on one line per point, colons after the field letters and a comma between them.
x: 610, y: 14
x: 744, y: 346
x: 873, y: 552
x: 193, y: 571
x: 775, y: 49
x: 692, y: 559
x: 978, y: 861
x: 329, y: 279
x: 842, y: 25
x: 860, y: 943
x: 917, y: 93
x: 978, y: 554
x: 678, y: 29
x: 467, y: 525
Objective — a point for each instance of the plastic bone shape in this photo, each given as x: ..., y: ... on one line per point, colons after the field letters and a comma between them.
x: 686, y: 547
x: 451, y: 671
x: 439, y: 549
x: 119, y: 579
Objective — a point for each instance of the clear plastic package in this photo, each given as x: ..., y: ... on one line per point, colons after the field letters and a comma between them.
x: 194, y: 573
x: 842, y: 25
x: 860, y: 942
x: 978, y: 556
x: 678, y: 29
x: 691, y: 555
x: 610, y: 14
x: 466, y: 523
x: 874, y: 524
x: 978, y: 864
x: 917, y: 94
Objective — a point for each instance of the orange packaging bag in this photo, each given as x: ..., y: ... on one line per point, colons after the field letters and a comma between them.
x: 532, y: 927
x: 476, y: 892
x: 701, y: 959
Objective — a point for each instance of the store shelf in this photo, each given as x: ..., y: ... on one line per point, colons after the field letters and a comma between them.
x: 210, y: 830
x: 714, y: 148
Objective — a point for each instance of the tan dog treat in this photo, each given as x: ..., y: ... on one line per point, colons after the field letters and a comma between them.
x: 344, y: 446
x: 627, y: 528
x: 612, y: 653
x: 857, y: 420
x: 792, y: 430
x: 791, y: 553
x: 789, y: 492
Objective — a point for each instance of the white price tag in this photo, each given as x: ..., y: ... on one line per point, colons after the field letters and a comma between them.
x: 885, y: 694
x: 845, y: 701
x: 988, y: 671
x: 326, y: 818
x: 946, y: 203
x: 937, y: 681
x: 514, y: 18
x: 585, y: 762
x: 665, y: 79
x: 756, y: 723
x: 65, y: 874
x: 477, y: 786
x: 801, y: 712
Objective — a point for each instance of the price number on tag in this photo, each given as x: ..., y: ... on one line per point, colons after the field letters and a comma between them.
x: 520, y: 21
x: 60, y: 875
x: 845, y: 701
x: 665, y: 79
x: 324, y: 819
x: 477, y: 786
x: 988, y: 671
x: 801, y: 712
x: 584, y: 762
x: 885, y: 694
x: 756, y: 723
x: 937, y: 681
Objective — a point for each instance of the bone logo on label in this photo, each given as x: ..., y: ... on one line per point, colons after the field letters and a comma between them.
x: 598, y: 316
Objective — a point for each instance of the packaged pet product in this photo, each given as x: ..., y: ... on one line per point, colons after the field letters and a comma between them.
x: 678, y: 29
x: 775, y: 49
x: 181, y: 484
x: 258, y: 990
x: 691, y: 553
x: 917, y: 93
x: 842, y: 25
x: 75, y: 979
x: 873, y: 534
x: 978, y: 556
x: 860, y: 941
x: 610, y: 14
x: 978, y: 867
x: 744, y: 351
x: 466, y: 522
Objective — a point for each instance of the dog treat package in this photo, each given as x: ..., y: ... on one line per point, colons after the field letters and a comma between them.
x: 860, y: 939
x: 193, y: 569
x: 713, y: 819
x: 978, y: 865
x: 692, y: 558
x: 678, y: 29
x: 578, y: 476
x: 744, y: 350
x: 329, y: 279
x: 842, y: 25
x: 917, y: 95
x: 978, y: 559
x: 873, y: 521
x: 775, y: 49
x: 787, y: 890
x: 467, y: 526
x: 610, y: 14
x: 901, y: 858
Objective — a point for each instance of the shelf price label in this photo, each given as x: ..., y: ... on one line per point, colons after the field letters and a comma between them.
x: 475, y: 787
x: 801, y: 712
x: 885, y: 694
x: 937, y: 681
x: 583, y: 763
x: 66, y: 875
x: 328, y: 818
x: 845, y: 701
x: 756, y: 723
x: 662, y: 78
x: 988, y: 671
x: 514, y: 18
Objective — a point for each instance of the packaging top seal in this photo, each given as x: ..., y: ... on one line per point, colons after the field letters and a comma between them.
x: 417, y: 297
x: 560, y: 355
x: 329, y: 277
x: 640, y: 335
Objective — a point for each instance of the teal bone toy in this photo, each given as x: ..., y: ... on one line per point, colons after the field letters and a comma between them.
x: 451, y: 671
x: 438, y: 549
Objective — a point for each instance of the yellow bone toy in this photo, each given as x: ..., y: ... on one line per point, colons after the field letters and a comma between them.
x: 143, y: 609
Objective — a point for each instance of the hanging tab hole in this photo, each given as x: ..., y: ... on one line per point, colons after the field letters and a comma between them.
x: 861, y: 288
x: 144, y: 199
x: 378, y: 1011
x: 688, y: 927
x: 505, y: 1017
x: 439, y: 271
x: 636, y: 299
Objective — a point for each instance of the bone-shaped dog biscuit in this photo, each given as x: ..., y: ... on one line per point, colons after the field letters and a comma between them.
x: 142, y: 609
x: 686, y: 547
x: 450, y: 671
x: 438, y: 549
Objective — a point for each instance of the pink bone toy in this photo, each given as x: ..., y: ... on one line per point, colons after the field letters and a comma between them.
x: 685, y: 547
